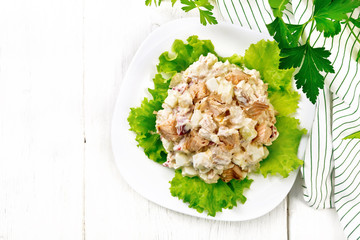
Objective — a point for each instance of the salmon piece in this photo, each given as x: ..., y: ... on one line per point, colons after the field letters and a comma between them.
x: 264, y: 134
x: 198, y: 91
x: 230, y: 141
x: 214, y: 104
x: 233, y: 173
x: 220, y: 155
x: 168, y: 130
x: 207, y: 123
x: 256, y: 109
x: 235, y: 76
x: 203, y: 104
x: 194, y: 142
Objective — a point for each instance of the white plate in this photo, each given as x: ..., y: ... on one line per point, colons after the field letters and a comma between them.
x: 150, y: 179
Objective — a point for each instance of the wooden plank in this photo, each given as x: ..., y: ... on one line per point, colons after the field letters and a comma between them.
x: 41, y: 133
x: 113, y: 33
x: 308, y: 223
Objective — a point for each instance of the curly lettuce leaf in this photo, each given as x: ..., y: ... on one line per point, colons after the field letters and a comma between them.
x: 161, y: 87
x: 183, y: 55
x: 264, y: 56
x: 209, y: 197
x: 282, y: 157
x: 142, y: 120
x: 285, y: 104
x: 234, y: 59
x: 152, y: 146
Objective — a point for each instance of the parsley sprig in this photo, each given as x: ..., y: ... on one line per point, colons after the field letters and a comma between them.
x: 203, y: 6
x: 327, y: 17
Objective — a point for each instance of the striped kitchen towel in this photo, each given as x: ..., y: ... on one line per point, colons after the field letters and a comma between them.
x: 331, y: 170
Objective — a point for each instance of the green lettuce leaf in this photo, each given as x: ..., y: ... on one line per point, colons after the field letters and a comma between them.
x: 183, y: 55
x: 152, y: 146
x: 264, y: 56
x: 142, y: 120
x: 282, y: 157
x: 234, y: 59
x: 285, y: 104
x: 210, y: 197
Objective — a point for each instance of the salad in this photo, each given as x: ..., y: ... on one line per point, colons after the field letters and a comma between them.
x: 251, y: 88
x: 216, y: 121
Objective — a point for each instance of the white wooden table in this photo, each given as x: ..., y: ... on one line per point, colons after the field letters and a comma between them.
x: 61, y: 68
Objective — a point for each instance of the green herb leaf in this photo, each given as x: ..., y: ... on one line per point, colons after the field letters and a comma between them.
x: 309, y: 77
x: 315, y: 61
x: 207, y: 17
x: 287, y: 35
x: 353, y: 136
x: 292, y: 57
x: 330, y: 27
x: 189, y: 5
x: 328, y: 14
x: 205, y: 10
x: 204, y: 6
x: 278, y: 6
x: 335, y: 10
x: 156, y: 2
x: 208, y: 197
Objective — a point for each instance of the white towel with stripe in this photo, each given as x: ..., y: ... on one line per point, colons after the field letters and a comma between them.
x: 331, y: 170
